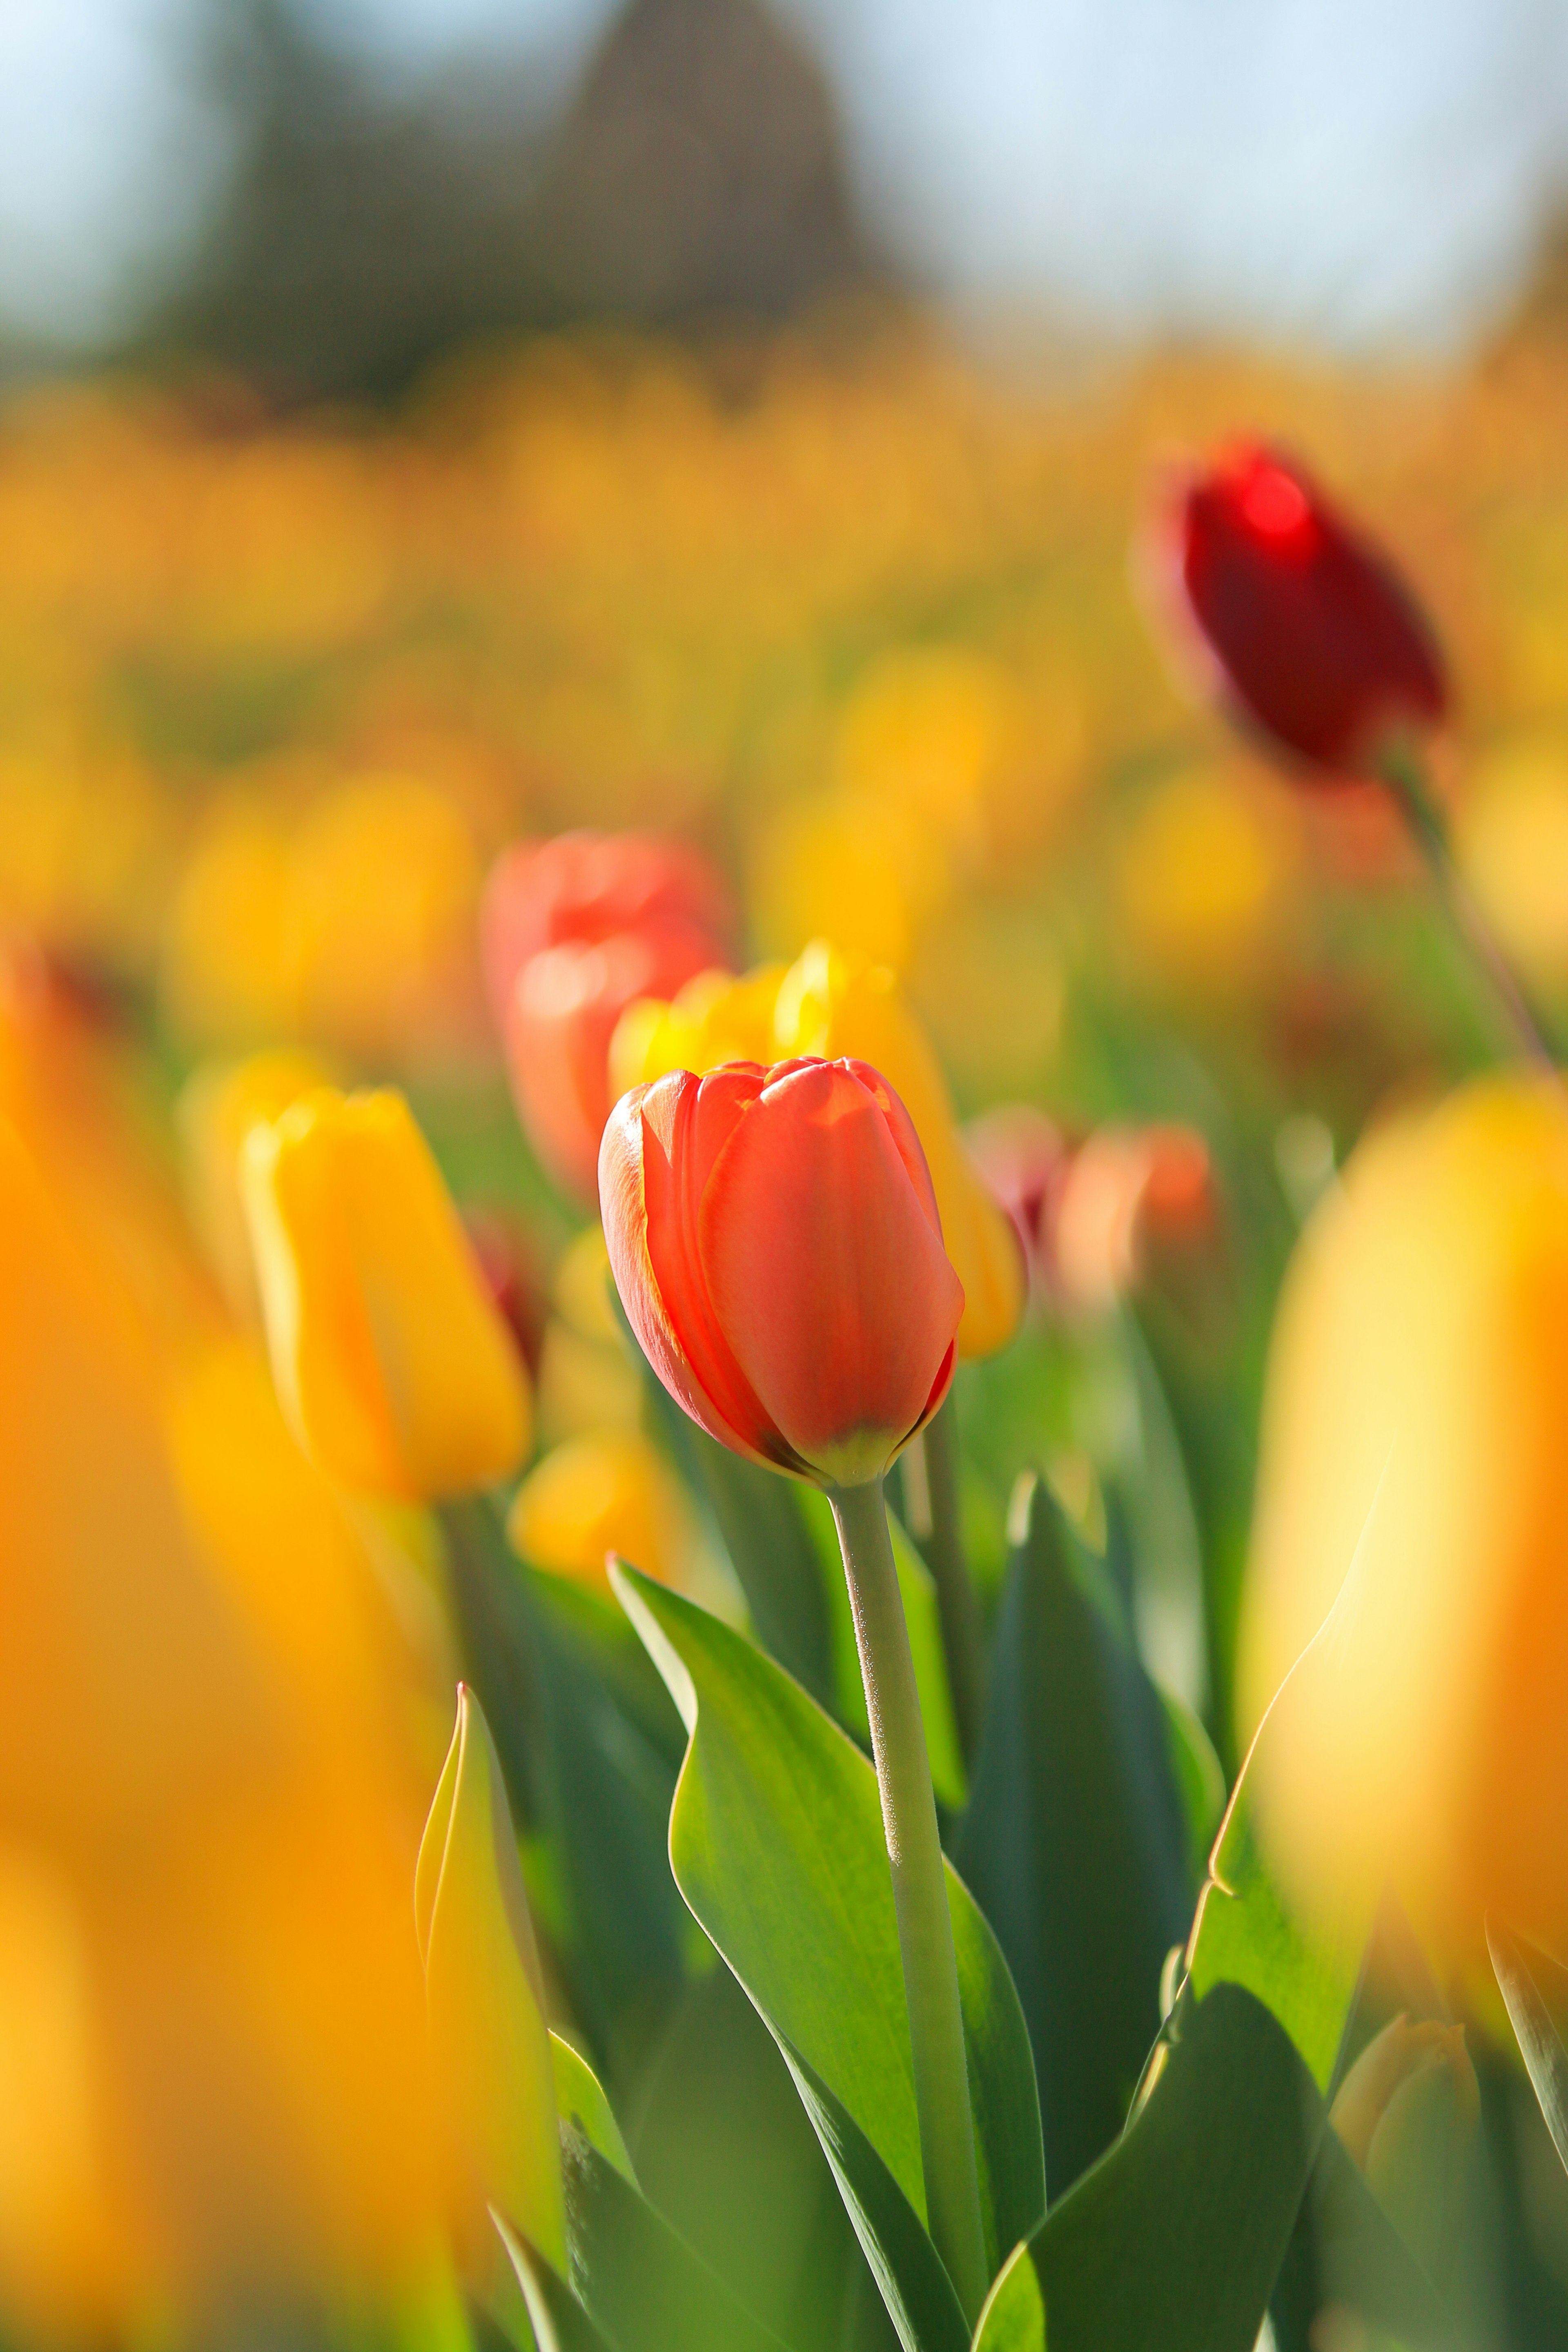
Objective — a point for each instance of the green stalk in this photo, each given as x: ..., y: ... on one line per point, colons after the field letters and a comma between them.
x: 958, y: 1605
x: 920, y: 1890
x: 1404, y: 773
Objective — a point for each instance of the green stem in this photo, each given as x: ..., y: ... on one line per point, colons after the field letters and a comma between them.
x: 958, y: 1604
x: 1404, y: 773
x: 920, y: 1890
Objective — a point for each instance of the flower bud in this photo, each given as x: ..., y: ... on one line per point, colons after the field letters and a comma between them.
x: 575, y: 930
x: 392, y: 1361
x: 775, y: 1241
x: 485, y: 1998
x: 1291, y: 614
x: 218, y: 1106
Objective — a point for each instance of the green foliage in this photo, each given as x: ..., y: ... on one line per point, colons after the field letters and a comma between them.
x: 1075, y: 1842
x: 1521, y: 1975
x: 776, y: 1843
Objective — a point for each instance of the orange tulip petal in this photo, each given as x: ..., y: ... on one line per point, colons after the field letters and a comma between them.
x: 826, y: 1271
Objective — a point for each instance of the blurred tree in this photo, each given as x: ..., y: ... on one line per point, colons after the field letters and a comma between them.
x: 698, y: 171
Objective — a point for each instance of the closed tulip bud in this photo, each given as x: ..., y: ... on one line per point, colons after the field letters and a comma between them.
x: 217, y: 1107
x: 573, y: 930
x: 484, y: 1998
x: 390, y: 1358
x: 1414, y: 1452
x: 1291, y: 614
x: 832, y: 1003
x: 1408, y: 2112
x: 775, y: 1241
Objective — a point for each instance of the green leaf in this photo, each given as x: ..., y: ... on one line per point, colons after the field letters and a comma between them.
x: 590, y: 1747
x: 1363, y: 2263
x: 558, y: 2320
x: 1541, y: 2046
x: 1076, y: 1839
x: 581, y: 2101
x: 1200, y: 1782
x: 1246, y: 1933
x: 1175, y: 2238
x: 922, y: 1617
x: 776, y: 1842
x: 906, y: 2268
x: 640, y: 2283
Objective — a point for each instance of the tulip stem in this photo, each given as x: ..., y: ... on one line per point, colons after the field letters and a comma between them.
x: 920, y: 1890
x: 958, y: 1605
x: 1403, y: 771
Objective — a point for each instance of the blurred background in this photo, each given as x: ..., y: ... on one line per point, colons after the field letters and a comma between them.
x: 428, y: 423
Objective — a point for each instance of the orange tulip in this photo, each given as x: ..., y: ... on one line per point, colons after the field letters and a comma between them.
x: 575, y: 930
x: 775, y: 1240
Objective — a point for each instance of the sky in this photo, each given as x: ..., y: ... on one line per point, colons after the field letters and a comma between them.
x: 1366, y: 175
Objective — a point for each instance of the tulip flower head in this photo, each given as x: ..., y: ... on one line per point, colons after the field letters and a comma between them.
x: 573, y: 930
x: 392, y: 1361
x: 484, y: 1993
x: 1291, y: 614
x: 775, y: 1240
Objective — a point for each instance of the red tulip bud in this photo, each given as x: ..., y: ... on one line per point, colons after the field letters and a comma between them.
x: 1293, y: 616
x: 775, y: 1241
x: 575, y: 930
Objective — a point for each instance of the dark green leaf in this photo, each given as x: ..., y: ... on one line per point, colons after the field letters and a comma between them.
x: 776, y: 1842
x: 1519, y: 1976
x: 640, y: 2283
x: 1075, y: 1845
x: 1173, y: 2242
x: 590, y: 1745
x: 906, y: 2268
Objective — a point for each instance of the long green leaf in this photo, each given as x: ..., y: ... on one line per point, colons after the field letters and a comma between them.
x: 776, y: 1842
x: 558, y: 2320
x: 1245, y: 1932
x: 590, y: 1745
x: 906, y: 2268
x: 1541, y: 2046
x: 640, y: 2283
x: 1173, y: 2241
x: 1076, y: 1839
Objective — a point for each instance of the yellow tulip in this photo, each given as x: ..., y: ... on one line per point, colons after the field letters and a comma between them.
x: 608, y: 1491
x: 217, y: 1107
x: 485, y: 1998
x: 209, y: 1767
x: 588, y: 1378
x: 393, y: 1364
x: 1415, y: 1443
x: 833, y: 1003
x: 1408, y: 2113
x: 717, y: 1017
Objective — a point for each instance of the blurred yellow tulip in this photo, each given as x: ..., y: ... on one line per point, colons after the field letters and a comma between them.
x: 213, y: 2082
x: 1415, y: 1444
x: 218, y: 1106
x: 392, y: 1361
x: 717, y: 1017
x: 1204, y: 871
x: 607, y: 1491
x: 485, y: 2002
x: 1408, y: 2113
x: 224, y: 976
x: 833, y: 1003
x: 588, y: 1377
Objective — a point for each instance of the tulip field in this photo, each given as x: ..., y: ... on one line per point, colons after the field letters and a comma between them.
x: 784, y: 1356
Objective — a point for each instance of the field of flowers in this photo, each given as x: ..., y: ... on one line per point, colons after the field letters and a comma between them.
x: 380, y: 800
